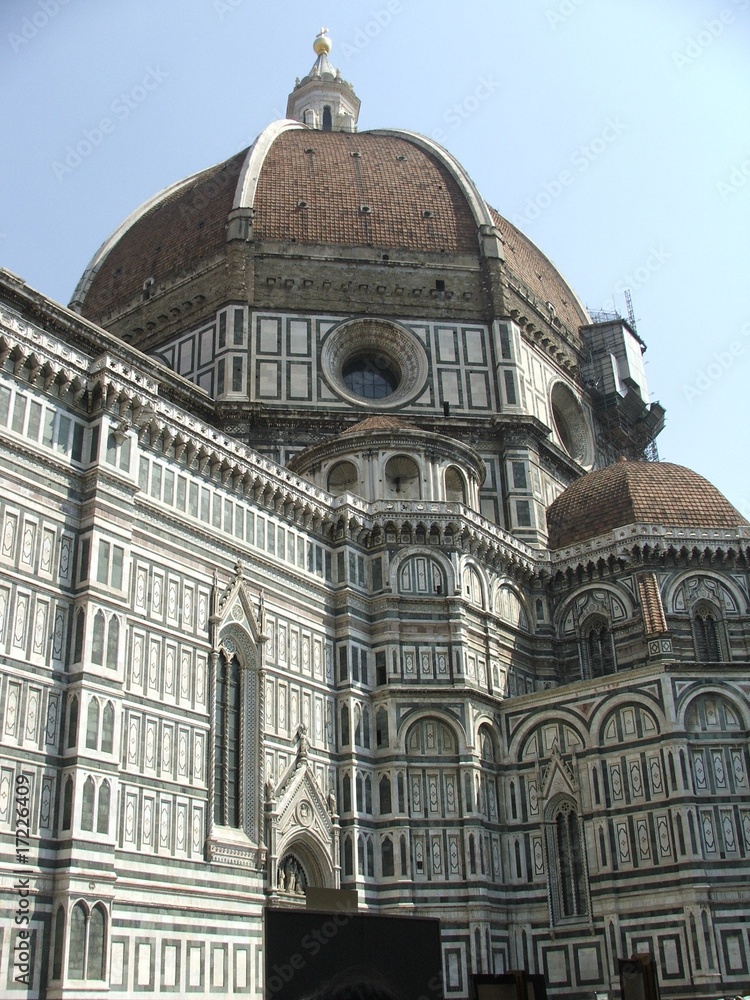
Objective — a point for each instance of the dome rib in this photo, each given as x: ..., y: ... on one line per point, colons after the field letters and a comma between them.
x: 637, y: 493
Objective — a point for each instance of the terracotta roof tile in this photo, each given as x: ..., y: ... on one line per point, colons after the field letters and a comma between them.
x: 378, y: 423
x: 637, y: 493
x: 181, y: 230
x: 540, y: 276
x: 654, y: 620
x: 398, y: 181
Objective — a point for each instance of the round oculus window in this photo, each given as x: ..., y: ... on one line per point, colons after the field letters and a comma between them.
x: 371, y: 376
x: 374, y: 361
x: 570, y: 424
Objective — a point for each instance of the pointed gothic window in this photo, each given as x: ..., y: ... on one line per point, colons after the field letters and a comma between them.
x: 327, y: 119
x: 381, y: 728
x: 73, y: 723
x: 344, y: 725
x: 227, y: 743
x: 706, y: 634
x: 67, y: 811
x: 78, y: 639
x: 385, y: 794
x: 92, y: 725
x: 57, y: 956
x: 102, y: 812
x: 598, y: 648
x: 567, y: 872
x: 87, y: 808
x: 108, y: 727
x: 113, y: 641
x: 95, y: 951
x: 97, y: 639
x: 386, y: 856
x: 77, y: 943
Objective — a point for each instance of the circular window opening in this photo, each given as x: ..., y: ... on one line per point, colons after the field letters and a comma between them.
x: 371, y: 376
x: 570, y: 424
x: 374, y: 361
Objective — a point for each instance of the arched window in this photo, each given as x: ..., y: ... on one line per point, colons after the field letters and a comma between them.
x: 472, y: 586
x: 486, y: 745
x: 102, y: 812
x: 357, y: 726
x: 227, y: 799
x: 77, y: 943
x: 386, y: 856
x: 108, y: 727
x: 327, y: 119
x: 346, y: 795
x: 348, y: 860
x: 78, y: 639
x: 113, y: 641
x: 404, y: 856
x: 92, y: 725
x: 95, y: 951
x: 67, y: 810
x: 567, y: 874
x: 421, y: 576
x: 359, y: 788
x: 344, y: 726
x: 97, y: 639
x: 430, y: 737
x: 385, y: 794
x: 370, y: 858
x: 73, y: 722
x: 361, y: 855
x: 368, y: 794
x: 381, y: 728
x: 87, y: 806
x: 455, y: 486
x: 366, y: 727
x: 57, y: 954
x: 706, y: 634
x: 598, y: 648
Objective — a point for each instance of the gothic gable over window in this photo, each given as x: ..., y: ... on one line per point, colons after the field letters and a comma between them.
x: 237, y: 779
x: 568, y: 890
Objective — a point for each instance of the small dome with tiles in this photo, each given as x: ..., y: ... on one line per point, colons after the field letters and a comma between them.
x: 637, y: 493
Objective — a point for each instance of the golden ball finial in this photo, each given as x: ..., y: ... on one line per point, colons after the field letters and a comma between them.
x: 322, y: 44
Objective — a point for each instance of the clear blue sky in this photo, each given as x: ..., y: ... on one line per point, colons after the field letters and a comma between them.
x: 615, y: 132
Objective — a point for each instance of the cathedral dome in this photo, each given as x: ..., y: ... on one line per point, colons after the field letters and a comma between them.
x: 300, y: 189
x: 637, y: 493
